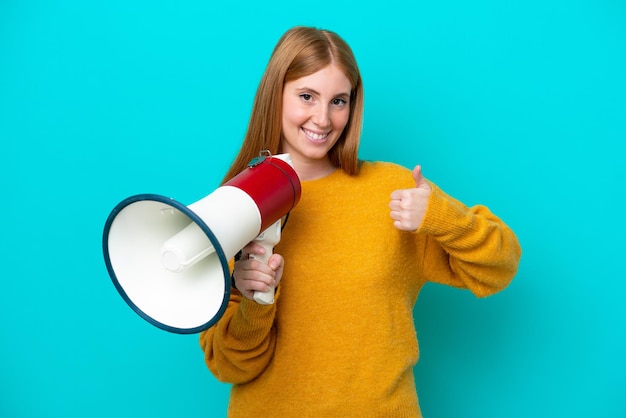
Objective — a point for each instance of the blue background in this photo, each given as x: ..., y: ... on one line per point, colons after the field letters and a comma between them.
x: 519, y: 105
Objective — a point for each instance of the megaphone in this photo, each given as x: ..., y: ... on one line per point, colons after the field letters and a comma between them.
x: 169, y: 262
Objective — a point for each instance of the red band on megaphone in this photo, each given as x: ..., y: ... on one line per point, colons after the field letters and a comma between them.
x: 273, y: 185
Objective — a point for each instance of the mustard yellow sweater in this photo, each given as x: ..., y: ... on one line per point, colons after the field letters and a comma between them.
x: 340, y: 339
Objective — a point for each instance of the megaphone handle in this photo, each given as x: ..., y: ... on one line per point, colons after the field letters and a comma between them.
x: 268, y: 239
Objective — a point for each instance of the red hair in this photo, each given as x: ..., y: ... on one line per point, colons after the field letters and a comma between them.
x: 300, y: 52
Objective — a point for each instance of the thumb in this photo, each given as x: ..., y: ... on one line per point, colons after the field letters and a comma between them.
x: 276, y: 262
x: 420, y: 181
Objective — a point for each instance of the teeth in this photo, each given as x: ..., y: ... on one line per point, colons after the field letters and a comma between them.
x: 315, y: 136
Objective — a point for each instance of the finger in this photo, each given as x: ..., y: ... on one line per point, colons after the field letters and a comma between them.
x: 420, y: 181
x: 401, y: 226
x: 395, y: 205
x: 277, y: 263
x: 253, y: 280
x: 253, y: 269
x: 398, y: 194
x: 252, y: 248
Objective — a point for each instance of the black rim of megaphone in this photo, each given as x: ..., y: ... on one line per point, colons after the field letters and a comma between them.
x: 193, y: 217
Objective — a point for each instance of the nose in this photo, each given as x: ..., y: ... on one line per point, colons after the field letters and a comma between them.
x: 321, y: 116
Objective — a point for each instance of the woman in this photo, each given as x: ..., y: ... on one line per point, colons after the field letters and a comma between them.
x: 363, y: 240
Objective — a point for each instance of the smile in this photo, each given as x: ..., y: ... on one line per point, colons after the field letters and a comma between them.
x: 314, y: 136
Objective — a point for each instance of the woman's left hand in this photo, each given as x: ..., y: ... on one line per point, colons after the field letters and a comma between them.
x: 408, y: 206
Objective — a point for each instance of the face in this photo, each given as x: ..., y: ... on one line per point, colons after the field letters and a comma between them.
x: 316, y: 109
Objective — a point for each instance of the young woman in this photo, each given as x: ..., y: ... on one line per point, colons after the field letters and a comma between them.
x: 363, y: 240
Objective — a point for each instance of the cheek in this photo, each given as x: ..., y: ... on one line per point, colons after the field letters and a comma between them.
x: 294, y: 116
x: 340, y: 119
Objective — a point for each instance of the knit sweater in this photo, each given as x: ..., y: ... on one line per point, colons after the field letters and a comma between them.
x: 340, y: 339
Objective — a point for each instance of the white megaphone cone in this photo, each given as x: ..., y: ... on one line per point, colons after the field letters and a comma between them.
x: 170, y: 261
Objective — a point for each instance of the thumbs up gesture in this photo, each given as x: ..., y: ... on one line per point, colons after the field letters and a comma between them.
x: 408, y: 206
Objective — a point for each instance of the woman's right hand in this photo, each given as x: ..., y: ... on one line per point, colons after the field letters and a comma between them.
x: 254, y: 275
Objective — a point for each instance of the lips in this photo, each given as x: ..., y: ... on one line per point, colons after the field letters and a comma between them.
x: 314, y: 136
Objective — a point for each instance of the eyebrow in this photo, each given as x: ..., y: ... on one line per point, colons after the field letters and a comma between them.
x: 342, y: 95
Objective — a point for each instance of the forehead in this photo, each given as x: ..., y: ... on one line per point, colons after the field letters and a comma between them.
x: 330, y: 80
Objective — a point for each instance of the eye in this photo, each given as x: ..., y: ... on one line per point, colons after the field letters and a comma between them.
x: 306, y: 97
x: 339, y: 102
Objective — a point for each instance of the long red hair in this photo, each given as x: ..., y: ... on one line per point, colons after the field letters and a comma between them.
x: 300, y: 52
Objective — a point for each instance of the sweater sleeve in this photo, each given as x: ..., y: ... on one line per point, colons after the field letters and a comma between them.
x: 467, y: 247
x: 241, y: 344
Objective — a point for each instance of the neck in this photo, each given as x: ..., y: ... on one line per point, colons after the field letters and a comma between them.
x: 313, y: 170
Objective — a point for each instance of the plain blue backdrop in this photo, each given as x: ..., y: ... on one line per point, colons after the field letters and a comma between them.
x: 518, y: 105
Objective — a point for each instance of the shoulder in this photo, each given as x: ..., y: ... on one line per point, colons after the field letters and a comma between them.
x: 382, y: 167
x: 386, y: 173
